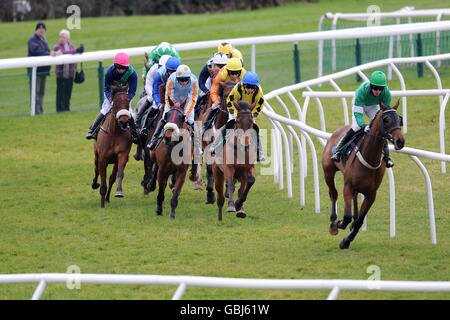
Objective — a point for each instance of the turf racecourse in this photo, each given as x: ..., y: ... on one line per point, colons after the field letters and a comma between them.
x: 51, y: 218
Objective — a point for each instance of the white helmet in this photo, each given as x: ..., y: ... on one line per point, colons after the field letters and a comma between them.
x: 162, y: 61
x: 220, y: 58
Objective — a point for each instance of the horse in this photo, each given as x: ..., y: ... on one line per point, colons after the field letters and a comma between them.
x: 220, y: 120
x: 363, y: 171
x: 162, y: 157
x: 238, y: 158
x: 113, y: 144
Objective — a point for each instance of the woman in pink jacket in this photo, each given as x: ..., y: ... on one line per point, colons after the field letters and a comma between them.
x: 65, y: 73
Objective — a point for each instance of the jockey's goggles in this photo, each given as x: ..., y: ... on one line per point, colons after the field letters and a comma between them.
x: 220, y: 66
x: 183, y: 79
x: 376, y: 88
x: 234, y: 73
x: 120, y: 67
x: 250, y: 86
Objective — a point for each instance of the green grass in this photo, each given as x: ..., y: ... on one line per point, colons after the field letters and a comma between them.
x: 51, y: 218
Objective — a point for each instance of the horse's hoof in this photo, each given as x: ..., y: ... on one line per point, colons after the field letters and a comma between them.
x: 95, y: 185
x: 238, y: 205
x: 198, y: 186
x: 210, y: 199
x: 172, y: 217
x: 344, y: 244
x: 119, y: 194
x: 333, y: 229
x: 231, y: 208
x: 193, y: 177
x: 241, y: 214
x: 158, y: 213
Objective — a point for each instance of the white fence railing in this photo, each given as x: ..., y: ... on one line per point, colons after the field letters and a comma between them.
x: 73, y: 280
x: 280, y: 138
x: 373, y: 18
x: 352, y: 33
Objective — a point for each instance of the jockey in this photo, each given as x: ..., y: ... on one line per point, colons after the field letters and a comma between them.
x: 226, y: 48
x: 217, y: 62
x: 151, y: 74
x: 248, y: 90
x: 182, y: 86
x: 366, y: 101
x: 233, y: 71
x: 164, y: 48
x: 119, y: 73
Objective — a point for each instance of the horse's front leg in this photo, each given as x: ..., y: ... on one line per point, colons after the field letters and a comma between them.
x: 348, y: 197
x: 103, y: 186
x: 355, y: 210
x: 95, y: 184
x: 162, y: 182
x: 218, y: 181
x: 329, y: 179
x: 181, y: 177
x: 229, y: 181
x: 210, y: 197
x: 243, y: 197
x: 365, y: 206
x: 122, y: 162
x: 112, y: 179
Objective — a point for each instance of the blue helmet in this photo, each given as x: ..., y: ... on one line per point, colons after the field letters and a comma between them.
x: 172, y: 63
x: 250, y: 77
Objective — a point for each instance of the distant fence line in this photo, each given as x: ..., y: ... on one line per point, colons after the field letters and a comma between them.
x: 352, y: 33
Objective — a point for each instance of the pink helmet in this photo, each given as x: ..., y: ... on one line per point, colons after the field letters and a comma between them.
x: 122, y: 58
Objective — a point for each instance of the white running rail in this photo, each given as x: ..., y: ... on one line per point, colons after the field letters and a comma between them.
x: 239, y: 283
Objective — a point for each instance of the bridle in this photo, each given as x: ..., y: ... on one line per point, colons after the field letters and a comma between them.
x: 386, y: 134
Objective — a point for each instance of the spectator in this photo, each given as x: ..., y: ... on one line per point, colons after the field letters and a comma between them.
x: 38, y: 46
x: 65, y: 73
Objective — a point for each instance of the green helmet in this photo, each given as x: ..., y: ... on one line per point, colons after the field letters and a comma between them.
x: 378, y: 78
x: 164, y: 48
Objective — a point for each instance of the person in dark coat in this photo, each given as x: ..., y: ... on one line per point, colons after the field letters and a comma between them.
x: 65, y: 72
x: 38, y: 46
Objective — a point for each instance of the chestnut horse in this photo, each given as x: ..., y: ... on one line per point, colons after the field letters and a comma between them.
x: 363, y: 171
x: 113, y: 144
x: 170, y: 159
x: 236, y: 161
x: 220, y: 120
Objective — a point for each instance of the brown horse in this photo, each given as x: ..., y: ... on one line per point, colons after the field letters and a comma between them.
x: 236, y: 161
x: 220, y: 120
x: 170, y: 159
x: 113, y: 144
x: 363, y: 171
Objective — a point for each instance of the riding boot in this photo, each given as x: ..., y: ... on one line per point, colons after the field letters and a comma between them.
x: 208, y: 121
x: 389, y: 162
x: 158, y: 130
x: 133, y: 131
x: 337, y: 154
x: 141, y: 112
x: 92, y: 134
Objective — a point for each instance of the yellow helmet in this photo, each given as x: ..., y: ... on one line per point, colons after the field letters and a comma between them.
x: 224, y: 47
x: 234, y: 64
x: 235, y: 53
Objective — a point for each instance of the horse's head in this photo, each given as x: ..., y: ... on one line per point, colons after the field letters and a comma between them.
x: 224, y: 90
x: 391, y: 125
x: 121, y: 104
x: 175, y: 119
x: 244, y: 120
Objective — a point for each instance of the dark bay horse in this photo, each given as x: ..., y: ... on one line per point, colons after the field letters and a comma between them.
x: 172, y: 156
x: 220, y: 120
x: 363, y: 171
x: 113, y: 144
x: 236, y: 161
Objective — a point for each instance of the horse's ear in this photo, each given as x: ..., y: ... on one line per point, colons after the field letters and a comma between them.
x: 126, y: 87
x: 382, y: 106
x: 183, y: 104
x: 171, y: 103
x: 253, y: 105
x: 397, y: 104
x: 236, y: 105
x: 113, y: 88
